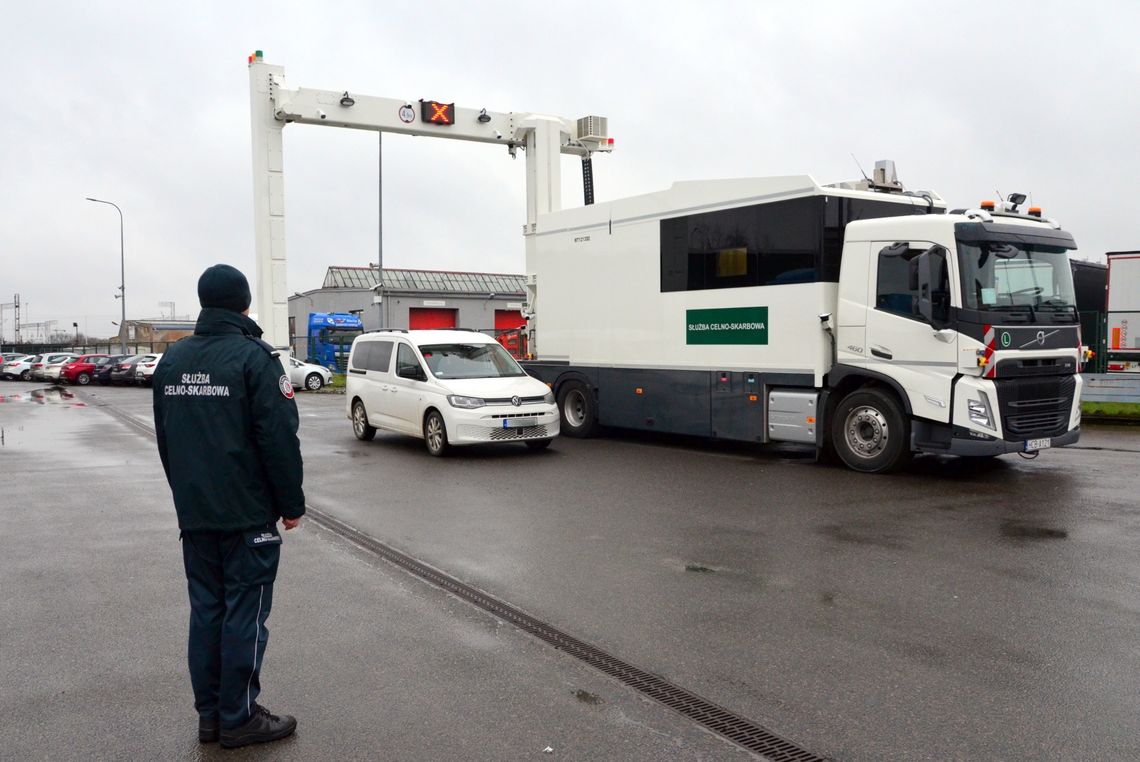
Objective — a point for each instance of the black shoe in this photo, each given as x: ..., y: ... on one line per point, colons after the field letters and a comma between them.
x: 262, y: 727
x: 208, y: 730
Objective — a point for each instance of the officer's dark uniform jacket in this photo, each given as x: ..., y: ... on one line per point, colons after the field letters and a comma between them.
x: 226, y: 425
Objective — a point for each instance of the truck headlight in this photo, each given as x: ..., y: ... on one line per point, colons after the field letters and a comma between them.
x: 467, y: 403
x: 980, y: 411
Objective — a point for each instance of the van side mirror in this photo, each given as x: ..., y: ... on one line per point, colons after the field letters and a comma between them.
x: 933, y: 286
x: 414, y: 372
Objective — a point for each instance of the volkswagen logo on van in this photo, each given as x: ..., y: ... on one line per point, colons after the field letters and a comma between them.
x: 516, y: 401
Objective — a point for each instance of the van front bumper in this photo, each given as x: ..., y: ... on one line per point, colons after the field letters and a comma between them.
x: 478, y: 426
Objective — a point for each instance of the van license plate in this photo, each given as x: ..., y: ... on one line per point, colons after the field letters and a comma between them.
x: 1033, y: 445
x: 515, y: 423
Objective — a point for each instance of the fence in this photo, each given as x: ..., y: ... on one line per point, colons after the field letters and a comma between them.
x: 94, y: 348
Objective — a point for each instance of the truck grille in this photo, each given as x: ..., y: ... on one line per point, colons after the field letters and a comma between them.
x: 1035, y: 407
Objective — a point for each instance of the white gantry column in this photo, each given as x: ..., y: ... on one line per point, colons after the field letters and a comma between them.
x: 270, y: 295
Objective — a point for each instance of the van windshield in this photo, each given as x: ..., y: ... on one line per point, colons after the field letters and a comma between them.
x: 470, y: 361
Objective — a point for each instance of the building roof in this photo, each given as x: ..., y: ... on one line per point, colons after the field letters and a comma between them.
x: 165, y: 324
x: 426, y: 280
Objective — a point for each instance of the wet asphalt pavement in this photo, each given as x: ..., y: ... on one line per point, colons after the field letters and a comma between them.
x: 949, y: 612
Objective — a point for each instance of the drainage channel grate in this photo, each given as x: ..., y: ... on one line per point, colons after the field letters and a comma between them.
x: 719, y: 720
x: 716, y: 718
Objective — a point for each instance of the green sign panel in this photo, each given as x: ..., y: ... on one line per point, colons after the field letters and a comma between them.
x: 734, y: 325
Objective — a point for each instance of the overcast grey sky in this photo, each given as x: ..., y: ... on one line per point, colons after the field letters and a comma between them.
x: 146, y: 104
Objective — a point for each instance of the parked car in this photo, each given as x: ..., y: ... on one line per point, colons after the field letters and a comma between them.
x: 124, y: 372
x: 81, y: 370
x: 144, y: 370
x: 102, y: 374
x: 53, y: 371
x: 40, y: 366
x: 446, y: 387
x: 306, y: 375
x: 7, y: 357
x: 14, y: 366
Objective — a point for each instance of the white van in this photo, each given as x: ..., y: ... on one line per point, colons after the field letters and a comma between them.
x: 447, y: 387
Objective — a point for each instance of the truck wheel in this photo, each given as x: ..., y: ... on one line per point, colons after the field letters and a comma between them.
x: 360, y: 426
x: 579, y: 410
x: 435, y: 434
x: 870, y: 432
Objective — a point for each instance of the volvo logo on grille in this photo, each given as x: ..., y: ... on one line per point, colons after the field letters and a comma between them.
x: 516, y: 401
x: 1039, y: 339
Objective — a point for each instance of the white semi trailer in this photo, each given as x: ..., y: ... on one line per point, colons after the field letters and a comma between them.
x: 859, y: 318
x: 1122, y: 303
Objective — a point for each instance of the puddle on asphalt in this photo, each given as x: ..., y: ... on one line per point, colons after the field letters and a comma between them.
x: 1020, y: 531
x: 53, y: 395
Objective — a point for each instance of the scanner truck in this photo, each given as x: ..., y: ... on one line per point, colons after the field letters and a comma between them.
x: 860, y: 318
x: 863, y: 319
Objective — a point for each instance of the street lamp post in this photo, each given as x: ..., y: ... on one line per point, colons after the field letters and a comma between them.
x: 122, y: 276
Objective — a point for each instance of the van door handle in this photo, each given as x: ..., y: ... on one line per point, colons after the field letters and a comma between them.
x: 882, y: 354
x: 354, y: 370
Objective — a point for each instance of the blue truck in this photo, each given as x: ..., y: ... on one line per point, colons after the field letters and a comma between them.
x: 330, y: 338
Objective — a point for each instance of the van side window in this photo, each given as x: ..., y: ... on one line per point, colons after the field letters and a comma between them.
x: 380, y: 358
x: 372, y: 355
x: 405, y: 358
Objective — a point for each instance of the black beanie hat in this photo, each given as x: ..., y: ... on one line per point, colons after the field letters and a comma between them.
x: 225, y: 287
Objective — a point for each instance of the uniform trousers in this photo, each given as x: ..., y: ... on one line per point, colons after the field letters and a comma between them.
x: 230, y: 578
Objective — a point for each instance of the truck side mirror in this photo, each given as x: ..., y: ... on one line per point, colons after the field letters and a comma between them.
x: 933, y: 286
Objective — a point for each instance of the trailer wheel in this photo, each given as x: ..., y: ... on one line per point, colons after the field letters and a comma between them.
x: 578, y: 409
x: 870, y: 433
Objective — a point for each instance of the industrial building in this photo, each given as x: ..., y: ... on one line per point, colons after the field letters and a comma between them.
x: 490, y: 302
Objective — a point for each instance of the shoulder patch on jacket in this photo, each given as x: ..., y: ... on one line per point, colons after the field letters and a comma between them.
x: 286, y: 387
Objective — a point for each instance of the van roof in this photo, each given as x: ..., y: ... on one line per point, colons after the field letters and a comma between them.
x: 430, y: 336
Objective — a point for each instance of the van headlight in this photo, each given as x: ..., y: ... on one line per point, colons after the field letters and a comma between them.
x: 548, y: 398
x: 467, y: 403
x: 980, y: 411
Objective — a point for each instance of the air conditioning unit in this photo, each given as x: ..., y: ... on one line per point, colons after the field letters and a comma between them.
x: 593, y: 128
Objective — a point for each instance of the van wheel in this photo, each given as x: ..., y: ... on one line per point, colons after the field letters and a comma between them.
x: 870, y: 433
x: 578, y: 409
x: 360, y: 426
x: 435, y: 434
x: 313, y: 382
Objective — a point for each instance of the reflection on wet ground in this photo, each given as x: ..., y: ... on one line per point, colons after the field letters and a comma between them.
x: 50, y: 395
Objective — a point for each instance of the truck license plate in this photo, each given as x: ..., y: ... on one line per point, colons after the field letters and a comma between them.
x: 1033, y: 445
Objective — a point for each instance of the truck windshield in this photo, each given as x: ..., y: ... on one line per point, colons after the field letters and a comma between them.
x: 470, y: 361
x: 1015, y: 276
x: 340, y: 335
